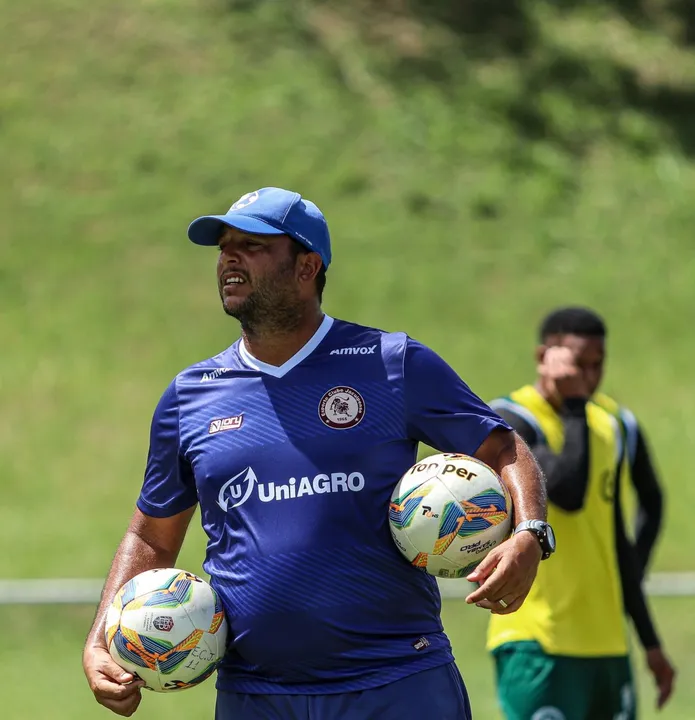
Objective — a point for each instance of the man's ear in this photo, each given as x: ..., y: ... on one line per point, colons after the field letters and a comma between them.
x: 311, y: 264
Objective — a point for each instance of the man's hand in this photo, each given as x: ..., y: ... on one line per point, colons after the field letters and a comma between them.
x: 506, y: 574
x: 113, y: 687
x: 148, y: 543
x: 559, y: 369
x: 663, y: 673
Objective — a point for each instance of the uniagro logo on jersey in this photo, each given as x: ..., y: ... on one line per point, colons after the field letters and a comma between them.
x: 238, y: 489
x: 341, y: 408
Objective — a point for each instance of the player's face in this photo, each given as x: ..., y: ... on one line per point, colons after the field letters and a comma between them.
x: 257, y: 279
x: 589, y: 357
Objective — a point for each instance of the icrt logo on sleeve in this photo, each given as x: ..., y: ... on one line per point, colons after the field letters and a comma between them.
x: 223, y: 424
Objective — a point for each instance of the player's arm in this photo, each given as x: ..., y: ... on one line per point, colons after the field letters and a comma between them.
x: 650, y: 502
x: 148, y: 543
x: 510, y: 457
x: 636, y: 606
x: 507, y: 572
x: 442, y: 411
x: 156, y: 531
x: 566, y: 472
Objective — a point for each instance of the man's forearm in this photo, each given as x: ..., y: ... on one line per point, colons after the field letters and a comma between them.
x: 134, y: 555
x: 507, y: 572
x: 524, y: 478
x: 509, y: 456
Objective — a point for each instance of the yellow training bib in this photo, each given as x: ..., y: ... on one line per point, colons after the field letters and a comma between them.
x: 575, y: 606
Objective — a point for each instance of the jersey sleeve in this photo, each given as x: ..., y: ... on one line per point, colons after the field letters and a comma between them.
x: 169, y: 485
x: 441, y: 410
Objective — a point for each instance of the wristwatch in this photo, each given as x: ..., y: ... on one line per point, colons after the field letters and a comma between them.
x: 544, y: 533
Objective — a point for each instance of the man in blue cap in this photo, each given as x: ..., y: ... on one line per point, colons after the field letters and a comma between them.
x: 292, y: 440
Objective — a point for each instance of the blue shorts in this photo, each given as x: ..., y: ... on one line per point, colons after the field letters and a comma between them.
x: 436, y: 694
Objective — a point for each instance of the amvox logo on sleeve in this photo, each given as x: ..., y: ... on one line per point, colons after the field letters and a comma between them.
x: 214, y: 374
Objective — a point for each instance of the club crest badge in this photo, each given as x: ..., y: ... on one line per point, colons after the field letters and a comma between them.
x: 341, y: 408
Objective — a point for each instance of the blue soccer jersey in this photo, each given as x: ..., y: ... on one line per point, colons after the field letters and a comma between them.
x: 294, y: 467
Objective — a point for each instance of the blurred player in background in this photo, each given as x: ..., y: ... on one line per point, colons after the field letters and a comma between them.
x: 564, y: 655
x: 291, y: 441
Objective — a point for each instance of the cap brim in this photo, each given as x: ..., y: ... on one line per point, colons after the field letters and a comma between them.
x: 206, y: 230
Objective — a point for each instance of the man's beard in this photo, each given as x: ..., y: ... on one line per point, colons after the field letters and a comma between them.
x: 272, y: 306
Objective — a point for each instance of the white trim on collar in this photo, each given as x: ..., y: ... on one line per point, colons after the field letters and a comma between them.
x: 282, y: 370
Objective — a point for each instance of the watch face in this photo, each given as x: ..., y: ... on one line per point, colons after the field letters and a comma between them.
x: 544, y: 533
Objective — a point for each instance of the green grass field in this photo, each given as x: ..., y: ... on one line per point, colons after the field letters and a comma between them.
x: 471, y: 181
x: 43, y: 645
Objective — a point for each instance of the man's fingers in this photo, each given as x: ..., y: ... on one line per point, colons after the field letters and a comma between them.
x: 500, y: 601
x: 115, y: 682
x: 489, y: 604
x: 493, y: 587
x: 664, y: 695
x: 558, y: 363
x: 106, y: 688
x: 665, y: 688
x: 502, y: 591
x: 109, y: 669
x: 512, y: 605
x: 481, y: 573
x: 125, y: 707
x: 486, y: 566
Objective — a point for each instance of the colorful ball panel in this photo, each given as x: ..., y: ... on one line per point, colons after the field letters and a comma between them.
x: 447, y: 513
x: 168, y: 627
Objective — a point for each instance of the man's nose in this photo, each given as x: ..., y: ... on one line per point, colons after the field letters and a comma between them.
x: 231, y: 252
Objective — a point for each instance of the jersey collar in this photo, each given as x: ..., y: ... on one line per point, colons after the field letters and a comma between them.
x: 282, y: 370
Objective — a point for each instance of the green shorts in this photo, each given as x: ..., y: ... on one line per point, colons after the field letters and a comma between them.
x: 532, y: 685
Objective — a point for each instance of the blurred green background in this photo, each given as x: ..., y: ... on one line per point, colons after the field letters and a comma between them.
x: 478, y: 163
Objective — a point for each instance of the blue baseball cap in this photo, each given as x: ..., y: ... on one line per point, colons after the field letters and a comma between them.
x: 269, y: 211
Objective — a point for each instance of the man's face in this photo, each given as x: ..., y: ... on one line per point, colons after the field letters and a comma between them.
x: 589, y: 356
x: 257, y: 278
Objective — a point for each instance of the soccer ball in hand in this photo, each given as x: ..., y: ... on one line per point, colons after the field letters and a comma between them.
x: 167, y: 626
x: 447, y: 512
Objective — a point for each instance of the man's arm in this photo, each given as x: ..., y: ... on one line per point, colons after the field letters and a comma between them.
x: 650, y: 502
x: 148, y: 543
x: 636, y: 606
x: 566, y: 472
x: 153, y: 539
x: 509, y: 570
x: 510, y: 457
x: 442, y: 411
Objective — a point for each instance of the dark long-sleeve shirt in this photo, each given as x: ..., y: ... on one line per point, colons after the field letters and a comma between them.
x: 650, y: 502
x: 567, y: 477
